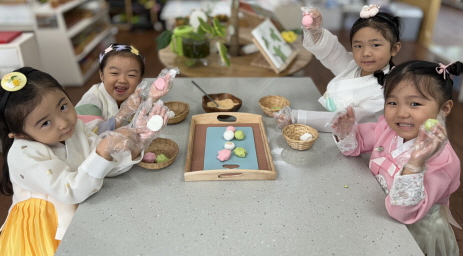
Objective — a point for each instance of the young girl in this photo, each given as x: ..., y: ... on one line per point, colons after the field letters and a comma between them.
x: 410, y: 156
x: 52, y: 161
x: 109, y: 104
x: 375, y: 39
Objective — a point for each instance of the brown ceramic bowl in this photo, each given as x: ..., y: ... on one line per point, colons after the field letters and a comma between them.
x: 221, y: 96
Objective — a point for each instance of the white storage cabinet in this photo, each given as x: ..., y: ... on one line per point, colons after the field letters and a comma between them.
x: 70, y: 37
x: 22, y: 51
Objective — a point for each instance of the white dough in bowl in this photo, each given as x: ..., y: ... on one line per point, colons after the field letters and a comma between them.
x: 155, y: 123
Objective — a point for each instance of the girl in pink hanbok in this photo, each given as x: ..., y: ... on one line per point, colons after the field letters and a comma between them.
x: 410, y: 154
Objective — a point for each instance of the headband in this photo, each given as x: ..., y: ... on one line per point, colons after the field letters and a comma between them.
x: 442, y: 69
x: 12, y: 82
x: 370, y: 11
x: 121, y: 47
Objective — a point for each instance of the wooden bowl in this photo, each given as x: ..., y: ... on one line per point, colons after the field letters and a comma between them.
x: 221, y: 96
x: 272, y: 103
x: 159, y: 146
x: 292, y: 133
x: 181, y: 110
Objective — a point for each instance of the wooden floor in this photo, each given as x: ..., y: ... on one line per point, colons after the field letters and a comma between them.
x: 144, y: 41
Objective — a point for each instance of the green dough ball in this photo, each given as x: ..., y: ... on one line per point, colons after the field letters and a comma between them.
x: 161, y: 158
x: 429, y: 124
x: 239, y: 135
x: 276, y: 108
x: 240, y: 152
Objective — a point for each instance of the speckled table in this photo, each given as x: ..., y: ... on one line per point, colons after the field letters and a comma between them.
x: 322, y: 203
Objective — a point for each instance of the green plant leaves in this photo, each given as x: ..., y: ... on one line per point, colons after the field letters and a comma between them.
x: 164, y: 39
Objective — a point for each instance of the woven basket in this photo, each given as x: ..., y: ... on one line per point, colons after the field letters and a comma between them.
x: 164, y: 146
x: 293, y: 132
x: 181, y: 110
x: 272, y: 103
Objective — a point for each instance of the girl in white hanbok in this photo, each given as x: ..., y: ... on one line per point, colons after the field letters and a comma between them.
x: 52, y: 161
x: 375, y: 40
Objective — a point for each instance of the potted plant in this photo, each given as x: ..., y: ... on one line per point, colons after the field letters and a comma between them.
x: 196, y: 42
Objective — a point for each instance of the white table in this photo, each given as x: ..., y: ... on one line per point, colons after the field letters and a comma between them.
x: 307, y: 210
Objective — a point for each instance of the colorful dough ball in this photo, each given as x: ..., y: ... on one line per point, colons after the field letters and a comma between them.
x: 228, y: 135
x: 240, y: 152
x: 161, y: 158
x: 231, y: 128
x: 224, y: 155
x: 229, y: 145
x: 239, y: 135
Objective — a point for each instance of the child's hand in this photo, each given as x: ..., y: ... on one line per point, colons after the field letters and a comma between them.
x: 429, y: 142
x: 145, y: 113
x: 160, y: 87
x: 128, y: 107
x: 120, y: 142
x: 343, y: 123
x: 311, y: 18
x: 283, y: 117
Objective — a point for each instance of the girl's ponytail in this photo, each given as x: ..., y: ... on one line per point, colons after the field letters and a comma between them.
x: 379, y: 74
x: 455, y: 68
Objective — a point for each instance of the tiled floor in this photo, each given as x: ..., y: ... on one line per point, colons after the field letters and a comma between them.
x: 447, y: 31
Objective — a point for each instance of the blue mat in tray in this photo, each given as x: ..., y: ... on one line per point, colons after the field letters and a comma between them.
x: 215, y: 143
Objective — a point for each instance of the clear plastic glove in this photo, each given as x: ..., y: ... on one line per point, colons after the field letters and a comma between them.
x: 312, y: 26
x: 431, y: 140
x: 142, y: 120
x: 121, y: 142
x: 161, y: 85
x: 283, y: 117
x: 129, y: 106
x: 344, y: 124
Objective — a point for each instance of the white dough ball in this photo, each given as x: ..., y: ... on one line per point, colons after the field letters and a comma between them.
x: 228, y: 135
x: 155, y: 123
x: 306, y: 136
x: 229, y: 145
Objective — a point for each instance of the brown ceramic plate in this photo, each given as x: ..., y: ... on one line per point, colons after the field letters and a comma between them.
x: 221, y: 96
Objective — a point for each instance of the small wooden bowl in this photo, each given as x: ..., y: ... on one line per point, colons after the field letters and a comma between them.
x: 221, y: 96
x: 159, y: 146
x: 293, y: 132
x: 181, y: 110
x: 272, y: 103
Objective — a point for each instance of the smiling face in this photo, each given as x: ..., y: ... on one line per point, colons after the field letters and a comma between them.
x: 371, y: 50
x: 120, y: 76
x: 406, y: 109
x: 53, y: 120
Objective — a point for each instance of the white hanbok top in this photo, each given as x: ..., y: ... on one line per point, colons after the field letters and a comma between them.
x: 348, y: 87
x: 64, y: 175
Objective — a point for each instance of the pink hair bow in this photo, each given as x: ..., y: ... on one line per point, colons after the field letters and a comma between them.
x: 369, y: 11
x: 443, y: 68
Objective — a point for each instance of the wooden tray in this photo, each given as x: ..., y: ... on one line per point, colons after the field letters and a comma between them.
x: 194, y: 167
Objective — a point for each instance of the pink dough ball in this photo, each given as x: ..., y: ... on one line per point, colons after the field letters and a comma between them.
x: 224, y: 155
x: 307, y: 21
x: 160, y: 84
x: 230, y: 128
x: 149, y: 157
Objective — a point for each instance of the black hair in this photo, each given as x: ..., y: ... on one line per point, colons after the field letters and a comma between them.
x: 18, y: 106
x: 388, y: 25
x: 123, y: 54
x: 425, y: 77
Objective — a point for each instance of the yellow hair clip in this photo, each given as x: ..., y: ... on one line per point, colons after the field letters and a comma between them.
x: 13, y: 81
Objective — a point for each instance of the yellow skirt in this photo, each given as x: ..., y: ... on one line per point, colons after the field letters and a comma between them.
x: 30, y: 229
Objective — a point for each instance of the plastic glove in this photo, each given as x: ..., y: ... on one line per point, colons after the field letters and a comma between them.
x: 140, y: 121
x: 312, y: 26
x: 161, y: 85
x: 121, y: 142
x: 283, y: 117
x: 129, y: 106
x: 344, y: 124
x: 431, y: 140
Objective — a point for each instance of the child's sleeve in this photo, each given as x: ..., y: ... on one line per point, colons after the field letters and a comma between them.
x: 36, y: 168
x: 89, y: 110
x: 362, y: 142
x: 331, y: 53
x: 412, y: 196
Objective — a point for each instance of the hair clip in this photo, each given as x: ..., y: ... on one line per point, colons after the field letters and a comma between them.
x: 121, y: 47
x: 369, y: 11
x: 13, y: 81
x: 442, y: 69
